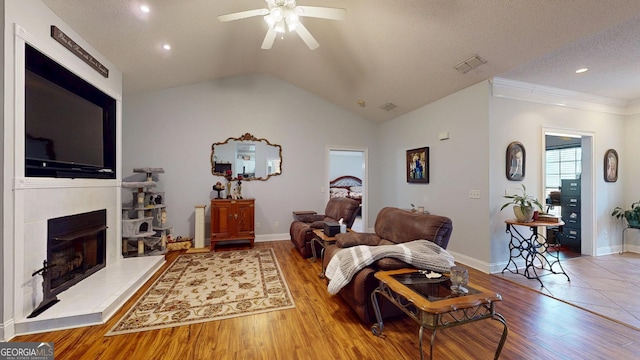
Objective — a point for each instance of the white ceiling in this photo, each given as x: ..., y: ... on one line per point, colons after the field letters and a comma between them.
x: 401, y: 51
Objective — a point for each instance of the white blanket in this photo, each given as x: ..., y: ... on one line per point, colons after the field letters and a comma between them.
x: 421, y: 254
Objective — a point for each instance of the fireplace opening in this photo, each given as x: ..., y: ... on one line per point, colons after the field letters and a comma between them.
x: 76, y: 249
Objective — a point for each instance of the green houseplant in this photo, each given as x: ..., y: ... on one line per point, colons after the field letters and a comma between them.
x: 522, y: 205
x: 631, y: 215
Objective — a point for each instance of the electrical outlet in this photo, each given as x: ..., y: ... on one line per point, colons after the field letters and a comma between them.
x: 276, y: 224
x: 257, y: 225
x: 474, y: 194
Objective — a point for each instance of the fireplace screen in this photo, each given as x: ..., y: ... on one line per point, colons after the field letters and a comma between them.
x: 76, y: 248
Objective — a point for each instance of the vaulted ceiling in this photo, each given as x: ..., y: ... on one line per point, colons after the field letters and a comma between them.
x: 402, y: 52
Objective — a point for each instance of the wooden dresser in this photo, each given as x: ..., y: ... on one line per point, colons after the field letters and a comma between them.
x: 232, y: 220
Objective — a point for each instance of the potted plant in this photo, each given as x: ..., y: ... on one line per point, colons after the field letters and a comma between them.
x: 522, y: 205
x: 631, y: 215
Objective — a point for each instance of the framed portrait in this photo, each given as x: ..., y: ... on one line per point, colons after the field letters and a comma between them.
x: 418, y: 165
x: 516, y: 161
x: 611, y: 166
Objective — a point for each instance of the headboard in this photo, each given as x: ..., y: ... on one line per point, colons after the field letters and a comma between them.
x: 345, y: 182
x: 346, y: 186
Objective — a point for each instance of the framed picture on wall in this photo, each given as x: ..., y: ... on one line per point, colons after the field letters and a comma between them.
x: 515, y: 162
x: 418, y: 165
x: 611, y: 166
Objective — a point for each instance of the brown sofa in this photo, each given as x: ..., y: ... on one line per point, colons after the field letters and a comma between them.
x: 304, y: 222
x: 393, y: 226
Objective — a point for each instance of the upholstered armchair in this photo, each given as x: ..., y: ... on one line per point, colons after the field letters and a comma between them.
x: 393, y: 226
x: 304, y: 222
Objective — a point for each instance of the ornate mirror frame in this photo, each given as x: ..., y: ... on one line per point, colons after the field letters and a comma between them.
x: 218, y: 165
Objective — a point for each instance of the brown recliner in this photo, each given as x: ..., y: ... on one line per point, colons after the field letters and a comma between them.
x: 304, y: 222
x: 393, y: 226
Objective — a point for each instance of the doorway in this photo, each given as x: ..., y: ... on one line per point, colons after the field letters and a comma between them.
x: 347, y: 176
x: 567, y: 180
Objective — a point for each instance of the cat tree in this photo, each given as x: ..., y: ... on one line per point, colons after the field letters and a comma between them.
x: 144, y: 223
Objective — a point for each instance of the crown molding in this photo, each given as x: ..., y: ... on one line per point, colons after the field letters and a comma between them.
x: 634, y: 108
x: 518, y: 90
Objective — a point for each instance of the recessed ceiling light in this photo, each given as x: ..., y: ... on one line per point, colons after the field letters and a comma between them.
x: 580, y: 71
x: 144, y: 8
x: 166, y: 47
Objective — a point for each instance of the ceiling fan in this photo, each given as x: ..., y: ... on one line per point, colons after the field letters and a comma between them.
x: 283, y: 14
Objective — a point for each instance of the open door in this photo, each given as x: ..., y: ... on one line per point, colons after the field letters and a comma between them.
x: 346, y: 177
x: 568, y: 187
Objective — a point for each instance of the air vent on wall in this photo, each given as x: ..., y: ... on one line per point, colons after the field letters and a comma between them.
x: 469, y: 64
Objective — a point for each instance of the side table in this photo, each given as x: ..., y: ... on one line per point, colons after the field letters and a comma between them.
x: 431, y: 303
x: 323, y: 240
x: 530, y: 249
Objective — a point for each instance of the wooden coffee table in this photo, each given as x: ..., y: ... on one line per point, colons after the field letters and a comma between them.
x: 431, y: 304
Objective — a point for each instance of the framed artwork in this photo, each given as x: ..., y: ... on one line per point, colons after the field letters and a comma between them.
x: 611, y: 166
x: 418, y: 165
x: 515, y: 162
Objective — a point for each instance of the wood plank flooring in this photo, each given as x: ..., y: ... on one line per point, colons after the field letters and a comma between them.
x: 324, y: 327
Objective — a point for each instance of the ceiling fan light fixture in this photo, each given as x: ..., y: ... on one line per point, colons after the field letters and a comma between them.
x: 277, y: 15
x: 281, y: 15
x: 292, y: 21
x: 269, y: 20
x: 279, y: 27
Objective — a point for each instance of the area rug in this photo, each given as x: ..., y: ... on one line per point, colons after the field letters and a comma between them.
x: 203, y: 287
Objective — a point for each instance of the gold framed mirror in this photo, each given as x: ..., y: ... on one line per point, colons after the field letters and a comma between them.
x: 253, y: 158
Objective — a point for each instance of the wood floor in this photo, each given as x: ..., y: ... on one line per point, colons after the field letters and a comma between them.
x: 323, y: 327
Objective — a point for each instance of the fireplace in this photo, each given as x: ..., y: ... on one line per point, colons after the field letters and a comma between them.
x: 76, y: 248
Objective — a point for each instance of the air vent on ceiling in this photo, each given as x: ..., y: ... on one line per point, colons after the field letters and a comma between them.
x: 469, y: 64
x: 388, y: 106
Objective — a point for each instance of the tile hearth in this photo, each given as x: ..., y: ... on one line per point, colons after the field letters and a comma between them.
x: 95, y: 299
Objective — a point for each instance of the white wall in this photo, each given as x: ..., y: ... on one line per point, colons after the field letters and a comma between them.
x: 346, y: 163
x: 630, y: 172
x: 517, y: 120
x: 174, y: 129
x: 456, y: 166
x: 29, y: 202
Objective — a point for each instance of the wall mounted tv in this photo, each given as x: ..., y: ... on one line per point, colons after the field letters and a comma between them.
x: 70, y: 125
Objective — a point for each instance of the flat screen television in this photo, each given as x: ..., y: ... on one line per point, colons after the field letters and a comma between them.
x: 70, y: 125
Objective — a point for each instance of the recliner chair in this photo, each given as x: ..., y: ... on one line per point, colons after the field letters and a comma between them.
x: 301, y: 229
x: 393, y: 226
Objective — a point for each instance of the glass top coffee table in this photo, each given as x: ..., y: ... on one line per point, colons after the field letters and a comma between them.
x: 432, y: 303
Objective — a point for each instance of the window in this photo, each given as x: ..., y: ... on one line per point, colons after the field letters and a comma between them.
x: 565, y: 163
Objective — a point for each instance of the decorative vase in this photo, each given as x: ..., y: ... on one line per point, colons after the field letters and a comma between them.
x: 634, y: 223
x: 523, y: 216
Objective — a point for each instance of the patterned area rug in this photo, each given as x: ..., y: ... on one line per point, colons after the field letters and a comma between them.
x: 210, y: 286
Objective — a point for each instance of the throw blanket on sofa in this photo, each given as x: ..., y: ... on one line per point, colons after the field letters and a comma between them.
x: 422, y: 254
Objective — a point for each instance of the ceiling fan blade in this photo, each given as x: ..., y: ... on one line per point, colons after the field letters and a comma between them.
x: 243, y: 14
x: 321, y: 12
x: 306, y: 36
x: 268, y: 39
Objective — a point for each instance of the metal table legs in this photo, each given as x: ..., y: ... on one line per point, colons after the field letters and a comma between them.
x: 434, y: 322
